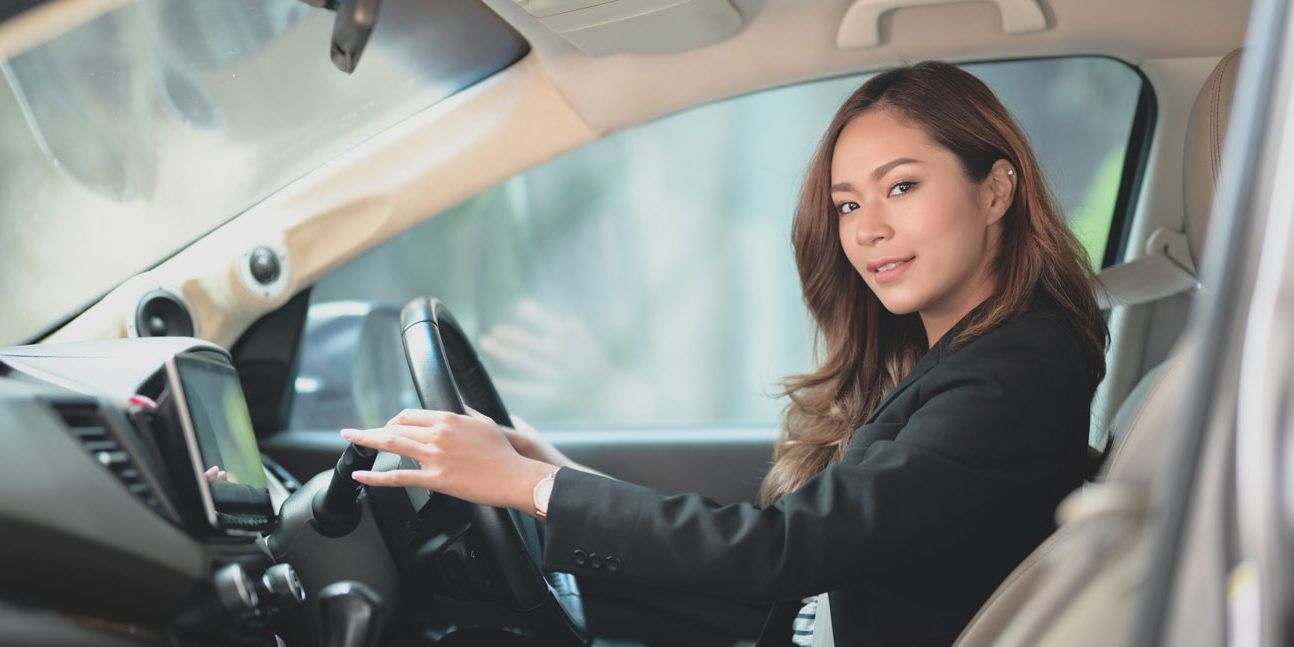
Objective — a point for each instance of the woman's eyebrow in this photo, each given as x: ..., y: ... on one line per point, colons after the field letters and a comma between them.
x: 878, y: 173
x: 886, y: 167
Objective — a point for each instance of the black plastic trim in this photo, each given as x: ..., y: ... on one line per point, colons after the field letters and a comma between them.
x: 266, y: 357
x: 1135, y: 159
x: 11, y: 8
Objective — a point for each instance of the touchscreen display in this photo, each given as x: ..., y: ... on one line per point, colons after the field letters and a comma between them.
x: 226, y: 445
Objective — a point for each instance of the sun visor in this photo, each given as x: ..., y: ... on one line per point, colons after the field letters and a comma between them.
x: 605, y: 27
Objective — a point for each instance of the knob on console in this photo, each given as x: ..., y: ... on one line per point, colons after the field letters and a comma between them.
x: 351, y: 614
x: 236, y: 591
x: 281, y: 587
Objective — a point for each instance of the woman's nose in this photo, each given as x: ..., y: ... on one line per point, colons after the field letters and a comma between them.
x: 871, y: 227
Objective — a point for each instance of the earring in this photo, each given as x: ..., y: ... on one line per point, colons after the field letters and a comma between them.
x: 1010, y: 171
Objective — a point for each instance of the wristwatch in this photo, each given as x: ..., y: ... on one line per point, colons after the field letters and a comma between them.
x: 543, y: 490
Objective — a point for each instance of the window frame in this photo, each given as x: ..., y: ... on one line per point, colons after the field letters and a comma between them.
x: 1135, y: 160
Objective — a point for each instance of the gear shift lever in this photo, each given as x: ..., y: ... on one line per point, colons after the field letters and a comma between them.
x: 352, y: 615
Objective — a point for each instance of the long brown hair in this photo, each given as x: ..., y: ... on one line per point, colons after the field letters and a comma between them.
x: 865, y: 349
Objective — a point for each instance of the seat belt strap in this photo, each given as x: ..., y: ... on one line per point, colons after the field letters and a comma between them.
x: 1149, y: 278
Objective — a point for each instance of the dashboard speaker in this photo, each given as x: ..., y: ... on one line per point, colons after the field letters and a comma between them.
x: 266, y: 270
x: 162, y: 313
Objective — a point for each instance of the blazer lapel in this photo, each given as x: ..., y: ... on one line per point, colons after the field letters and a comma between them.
x: 927, y: 361
x: 777, y: 626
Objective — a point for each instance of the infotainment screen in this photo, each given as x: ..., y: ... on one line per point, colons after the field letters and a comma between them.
x: 222, y: 444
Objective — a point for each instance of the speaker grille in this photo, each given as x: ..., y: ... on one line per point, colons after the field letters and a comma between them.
x: 163, y: 314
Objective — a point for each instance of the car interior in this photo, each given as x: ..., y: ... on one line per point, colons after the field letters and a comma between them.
x: 172, y: 469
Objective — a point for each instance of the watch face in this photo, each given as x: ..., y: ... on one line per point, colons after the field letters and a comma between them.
x: 543, y: 489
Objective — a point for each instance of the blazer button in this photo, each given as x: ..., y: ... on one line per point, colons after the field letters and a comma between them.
x: 578, y: 557
x: 613, y: 564
x: 595, y: 560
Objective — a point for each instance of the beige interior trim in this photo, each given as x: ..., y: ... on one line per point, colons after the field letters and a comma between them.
x: 418, y: 168
x: 788, y: 41
x: 1146, y: 279
x: 1159, y: 206
x: 861, y: 26
x: 643, y: 26
x: 48, y: 21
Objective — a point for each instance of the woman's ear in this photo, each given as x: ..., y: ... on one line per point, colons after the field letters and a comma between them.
x: 999, y: 189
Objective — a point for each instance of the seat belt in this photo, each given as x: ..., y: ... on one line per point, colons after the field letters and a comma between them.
x: 1164, y: 271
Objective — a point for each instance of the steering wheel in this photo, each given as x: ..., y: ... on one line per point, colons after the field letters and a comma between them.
x: 448, y: 376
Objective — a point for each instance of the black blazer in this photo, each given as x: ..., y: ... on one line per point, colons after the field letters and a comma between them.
x: 941, y: 493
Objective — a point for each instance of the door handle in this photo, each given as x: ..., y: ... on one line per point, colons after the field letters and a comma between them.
x: 861, y: 26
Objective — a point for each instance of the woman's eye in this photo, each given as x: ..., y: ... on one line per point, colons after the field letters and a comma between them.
x: 902, y: 188
x: 846, y: 207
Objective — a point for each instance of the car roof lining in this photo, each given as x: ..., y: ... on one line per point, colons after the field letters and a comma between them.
x: 788, y: 42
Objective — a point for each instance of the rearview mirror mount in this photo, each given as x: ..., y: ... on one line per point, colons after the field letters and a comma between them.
x: 351, y: 29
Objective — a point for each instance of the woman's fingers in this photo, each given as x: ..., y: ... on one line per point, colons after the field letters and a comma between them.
x: 422, y: 417
x: 385, y: 440
x: 473, y: 413
x: 395, y: 478
x: 414, y: 432
x: 464, y: 456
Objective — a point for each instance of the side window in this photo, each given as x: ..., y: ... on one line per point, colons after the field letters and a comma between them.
x: 647, y: 279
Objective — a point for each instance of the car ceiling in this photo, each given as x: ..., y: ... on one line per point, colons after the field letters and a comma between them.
x: 786, y: 41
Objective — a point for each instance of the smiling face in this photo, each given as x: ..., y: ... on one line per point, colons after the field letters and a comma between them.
x: 914, y: 226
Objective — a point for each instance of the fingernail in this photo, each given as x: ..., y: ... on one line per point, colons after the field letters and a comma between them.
x: 348, y: 434
x: 359, y: 475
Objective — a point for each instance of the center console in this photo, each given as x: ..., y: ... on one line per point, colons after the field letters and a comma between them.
x: 146, y: 503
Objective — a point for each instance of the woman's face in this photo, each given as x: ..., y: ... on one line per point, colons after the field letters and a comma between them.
x: 917, y: 230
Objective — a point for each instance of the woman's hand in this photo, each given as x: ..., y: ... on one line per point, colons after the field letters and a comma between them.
x: 530, y: 443
x: 465, y: 456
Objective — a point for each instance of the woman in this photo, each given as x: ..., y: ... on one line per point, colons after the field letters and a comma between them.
x: 923, y: 460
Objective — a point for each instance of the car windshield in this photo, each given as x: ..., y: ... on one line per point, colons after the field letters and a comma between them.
x: 130, y: 136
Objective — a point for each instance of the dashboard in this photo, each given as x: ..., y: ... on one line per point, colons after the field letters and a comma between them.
x: 136, y: 503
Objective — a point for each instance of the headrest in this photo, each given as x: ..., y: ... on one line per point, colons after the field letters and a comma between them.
x: 1203, y: 155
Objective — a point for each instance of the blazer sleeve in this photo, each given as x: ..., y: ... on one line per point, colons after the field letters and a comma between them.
x: 998, y: 437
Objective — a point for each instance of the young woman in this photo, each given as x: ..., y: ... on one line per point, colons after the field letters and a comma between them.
x: 961, y: 345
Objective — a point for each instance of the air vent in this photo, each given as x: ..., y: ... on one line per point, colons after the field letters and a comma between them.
x: 86, y: 425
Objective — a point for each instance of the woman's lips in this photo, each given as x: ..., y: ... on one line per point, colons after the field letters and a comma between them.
x: 894, y: 271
